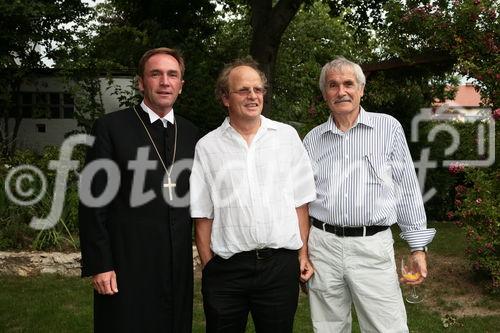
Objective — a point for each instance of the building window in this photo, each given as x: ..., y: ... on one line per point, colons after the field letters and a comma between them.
x: 41, y: 128
x: 52, y: 105
x: 68, y: 106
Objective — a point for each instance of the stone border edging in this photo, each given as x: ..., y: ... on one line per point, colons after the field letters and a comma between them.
x: 27, y: 263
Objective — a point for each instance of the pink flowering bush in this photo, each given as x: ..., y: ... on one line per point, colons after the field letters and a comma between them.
x: 456, y: 168
x: 477, y: 211
x: 496, y: 113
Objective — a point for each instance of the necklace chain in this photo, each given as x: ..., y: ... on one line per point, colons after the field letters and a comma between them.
x: 167, y: 170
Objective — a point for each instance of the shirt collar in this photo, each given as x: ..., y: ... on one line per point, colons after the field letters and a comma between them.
x: 265, y: 123
x: 154, y: 117
x: 363, y: 118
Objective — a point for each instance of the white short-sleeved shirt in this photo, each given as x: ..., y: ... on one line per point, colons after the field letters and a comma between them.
x: 251, y: 192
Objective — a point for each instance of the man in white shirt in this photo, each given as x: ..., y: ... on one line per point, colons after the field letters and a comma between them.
x: 250, y: 185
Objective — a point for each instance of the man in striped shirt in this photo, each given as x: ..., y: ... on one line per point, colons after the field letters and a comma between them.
x: 365, y: 182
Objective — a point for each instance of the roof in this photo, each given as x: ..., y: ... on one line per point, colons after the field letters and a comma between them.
x: 466, y: 96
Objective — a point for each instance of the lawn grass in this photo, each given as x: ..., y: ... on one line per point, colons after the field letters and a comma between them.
x: 50, y: 303
x: 46, y: 303
x: 449, y: 240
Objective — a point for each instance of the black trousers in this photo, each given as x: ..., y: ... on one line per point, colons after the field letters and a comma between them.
x: 266, y: 284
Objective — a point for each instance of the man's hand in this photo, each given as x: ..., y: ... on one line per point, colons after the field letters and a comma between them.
x: 205, y: 259
x: 306, y: 269
x: 105, y: 283
x: 419, y: 258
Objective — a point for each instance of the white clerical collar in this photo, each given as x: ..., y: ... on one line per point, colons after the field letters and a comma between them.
x: 154, y: 117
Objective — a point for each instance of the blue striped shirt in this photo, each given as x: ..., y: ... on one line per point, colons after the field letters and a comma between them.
x: 365, y: 176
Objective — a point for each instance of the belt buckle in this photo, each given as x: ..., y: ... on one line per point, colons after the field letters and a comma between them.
x: 258, y: 254
x: 324, y: 226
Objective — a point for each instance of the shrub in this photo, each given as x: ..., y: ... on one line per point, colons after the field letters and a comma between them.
x: 477, y: 211
x: 440, y: 178
x: 15, y: 233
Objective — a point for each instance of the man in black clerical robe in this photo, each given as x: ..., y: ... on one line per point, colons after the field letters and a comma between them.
x: 139, y: 256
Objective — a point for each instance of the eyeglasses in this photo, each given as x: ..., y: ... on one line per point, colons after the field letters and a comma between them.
x: 243, y: 92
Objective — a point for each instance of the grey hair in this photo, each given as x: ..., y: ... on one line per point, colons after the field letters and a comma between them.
x: 339, y: 64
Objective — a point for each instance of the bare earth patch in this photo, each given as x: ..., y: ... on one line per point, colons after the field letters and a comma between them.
x: 451, y: 289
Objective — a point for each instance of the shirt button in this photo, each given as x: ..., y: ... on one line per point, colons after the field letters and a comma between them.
x: 345, y: 195
x: 347, y: 157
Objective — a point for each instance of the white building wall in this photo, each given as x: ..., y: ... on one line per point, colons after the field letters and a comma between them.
x: 30, y: 135
x: 109, y: 98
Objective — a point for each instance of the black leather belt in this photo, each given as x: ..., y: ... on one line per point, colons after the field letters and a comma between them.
x: 263, y: 253
x: 348, y: 231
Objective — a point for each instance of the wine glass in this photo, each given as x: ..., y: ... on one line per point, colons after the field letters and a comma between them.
x: 410, y: 272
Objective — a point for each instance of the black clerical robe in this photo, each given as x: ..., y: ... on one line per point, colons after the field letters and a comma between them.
x: 149, y: 246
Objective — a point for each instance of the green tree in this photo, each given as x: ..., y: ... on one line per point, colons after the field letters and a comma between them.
x: 311, y: 40
x: 269, y: 20
x: 315, y: 37
x: 466, y: 30
x: 100, y: 52
x: 30, y: 34
x: 121, y: 31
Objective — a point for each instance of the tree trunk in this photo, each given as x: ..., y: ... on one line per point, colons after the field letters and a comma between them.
x: 268, y: 25
x: 8, y: 140
x: 5, y: 131
x: 16, y: 88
